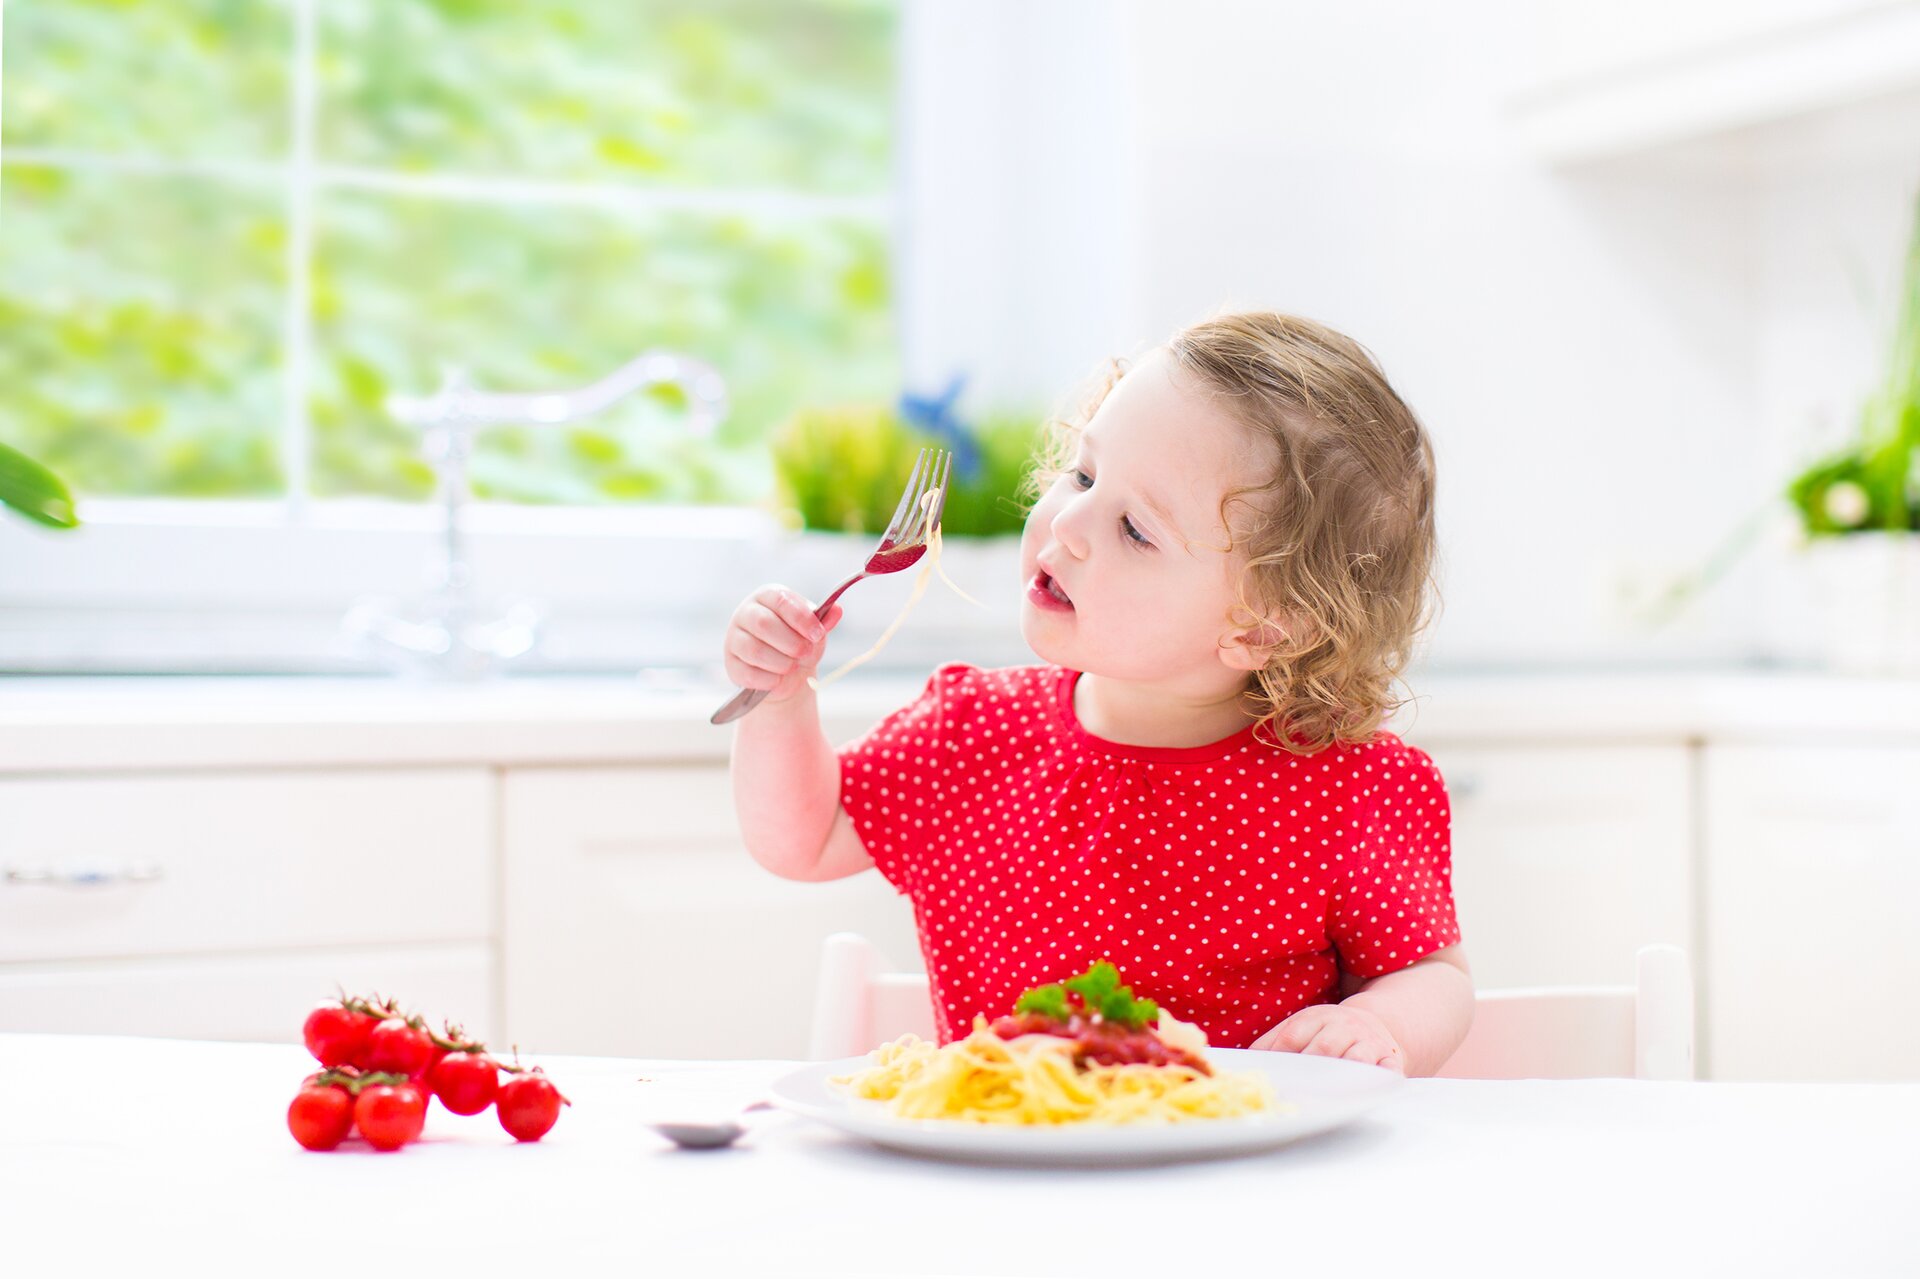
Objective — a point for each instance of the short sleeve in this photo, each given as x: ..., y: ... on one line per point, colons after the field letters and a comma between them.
x: 1394, y: 906
x: 891, y: 778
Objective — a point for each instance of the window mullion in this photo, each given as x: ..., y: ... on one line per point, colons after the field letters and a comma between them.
x: 295, y: 429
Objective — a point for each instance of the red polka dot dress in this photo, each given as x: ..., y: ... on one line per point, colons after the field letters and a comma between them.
x: 1230, y: 882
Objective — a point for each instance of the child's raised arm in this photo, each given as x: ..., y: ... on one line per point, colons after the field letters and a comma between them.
x: 786, y: 777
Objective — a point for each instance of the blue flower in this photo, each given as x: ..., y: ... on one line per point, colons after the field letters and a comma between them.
x: 935, y: 416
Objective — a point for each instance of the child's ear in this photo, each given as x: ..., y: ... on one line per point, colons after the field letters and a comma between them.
x: 1247, y: 648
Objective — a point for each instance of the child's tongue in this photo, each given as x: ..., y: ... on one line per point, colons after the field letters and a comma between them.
x: 1053, y: 589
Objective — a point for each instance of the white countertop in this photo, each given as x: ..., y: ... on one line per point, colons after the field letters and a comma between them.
x: 57, y: 724
x: 121, y: 1153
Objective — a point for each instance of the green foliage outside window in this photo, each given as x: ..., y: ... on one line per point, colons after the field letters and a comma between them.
x: 140, y: 330
x: 589, y: 179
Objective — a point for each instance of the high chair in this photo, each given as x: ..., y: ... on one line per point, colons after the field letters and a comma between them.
x: 859, y: 1005
x: 1643, y: 1031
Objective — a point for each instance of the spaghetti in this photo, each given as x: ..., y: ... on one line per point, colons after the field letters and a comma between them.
x: 1038, y: 1068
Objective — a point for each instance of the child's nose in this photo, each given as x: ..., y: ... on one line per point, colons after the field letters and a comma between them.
x: 1070, y: 526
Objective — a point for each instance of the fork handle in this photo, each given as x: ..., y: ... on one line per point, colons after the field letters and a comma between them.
x: 748, y: 698
x: 742, y: 702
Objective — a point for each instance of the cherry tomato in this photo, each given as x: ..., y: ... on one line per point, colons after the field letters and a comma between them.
x: 529, y: 1105
x: 337, y: 1036
x: 397, y: 1047
x: 466, y: 1082
x: 390, y: 1115
x: 320, y: 1118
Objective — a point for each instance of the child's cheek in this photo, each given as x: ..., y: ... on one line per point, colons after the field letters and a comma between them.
x: 1033, y: 537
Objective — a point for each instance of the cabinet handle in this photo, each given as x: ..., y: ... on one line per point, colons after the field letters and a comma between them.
x: 89, y: 877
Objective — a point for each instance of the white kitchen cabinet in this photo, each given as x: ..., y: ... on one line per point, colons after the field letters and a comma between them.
x: 1812, y: 858
x: 260, y: 998
x: 636, y: 925
x: 195, y: 903
x: 557, y: 864
x: 1568, y: 859
x: 1615, y: 79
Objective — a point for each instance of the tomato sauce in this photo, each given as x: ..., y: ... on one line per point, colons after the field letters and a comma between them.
x: 1099, y: 1043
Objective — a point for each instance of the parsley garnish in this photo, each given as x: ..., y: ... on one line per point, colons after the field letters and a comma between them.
x: 1101, y: 995
x: 1048, y: 1001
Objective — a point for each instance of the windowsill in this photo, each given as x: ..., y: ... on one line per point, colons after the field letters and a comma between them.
x: 257, y: 589
x: 369, y: 515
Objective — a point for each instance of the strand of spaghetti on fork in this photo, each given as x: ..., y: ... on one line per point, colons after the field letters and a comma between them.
x: 927, y: 570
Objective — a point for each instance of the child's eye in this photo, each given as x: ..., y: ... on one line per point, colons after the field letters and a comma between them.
x: 1126, y: 526
x: 1082, y: 480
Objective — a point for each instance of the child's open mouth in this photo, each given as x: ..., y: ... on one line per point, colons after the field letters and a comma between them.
x: 1046, y: 593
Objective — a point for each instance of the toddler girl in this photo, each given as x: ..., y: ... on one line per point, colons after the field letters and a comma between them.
x: 1230, y: 555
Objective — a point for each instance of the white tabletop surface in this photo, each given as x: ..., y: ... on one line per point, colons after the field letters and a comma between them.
x: 118, y: 1154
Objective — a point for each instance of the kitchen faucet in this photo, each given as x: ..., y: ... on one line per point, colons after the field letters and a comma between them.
x: 450, y: 631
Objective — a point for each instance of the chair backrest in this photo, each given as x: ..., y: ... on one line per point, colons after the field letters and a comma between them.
x: 1643, y: 1031
x: 859, y: 1005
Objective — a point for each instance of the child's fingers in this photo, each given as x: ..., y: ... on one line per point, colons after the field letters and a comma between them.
x: 1290, y: 1036
x: 752, y: 662
x: 780, y: 619
x: 773, y: 630
x: 796, y: 613
x: 1332, y: 1040
x: 1374, y: 1050
x: 773, y: 634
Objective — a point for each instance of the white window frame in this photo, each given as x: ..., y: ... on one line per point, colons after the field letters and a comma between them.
x: 980, y: 282
x: 93, y: 604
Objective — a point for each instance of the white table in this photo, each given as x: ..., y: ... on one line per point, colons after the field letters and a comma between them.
x: 124, y: 1153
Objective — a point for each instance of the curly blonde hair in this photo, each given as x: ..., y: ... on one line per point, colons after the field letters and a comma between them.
x: 1339, y: 541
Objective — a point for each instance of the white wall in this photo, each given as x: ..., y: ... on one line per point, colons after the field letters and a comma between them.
x: 1577, y: 345
x: 1615, y: 359
x: 1018, y: 262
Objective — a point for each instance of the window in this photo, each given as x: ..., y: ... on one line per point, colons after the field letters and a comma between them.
x: 229, y: 229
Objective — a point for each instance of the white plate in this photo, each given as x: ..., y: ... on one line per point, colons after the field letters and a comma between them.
x: 1325, y: 1092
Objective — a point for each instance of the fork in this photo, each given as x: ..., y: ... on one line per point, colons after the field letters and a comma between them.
x: 901, y: 546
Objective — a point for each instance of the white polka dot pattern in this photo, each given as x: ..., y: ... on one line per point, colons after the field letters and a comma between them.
x: 1231, y: 882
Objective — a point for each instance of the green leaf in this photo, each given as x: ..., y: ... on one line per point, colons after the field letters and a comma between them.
x: 1094, y: 985
x: 1048, y: 1001
x: 1099, y: 987
x: 1883, y: 460
x: 34, y: 491
x: 1101, y: 995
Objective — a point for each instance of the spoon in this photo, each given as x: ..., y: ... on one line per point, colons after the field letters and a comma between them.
x: 708, y: 1135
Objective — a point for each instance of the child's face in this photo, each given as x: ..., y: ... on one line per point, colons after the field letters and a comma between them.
x: 1132, y: 536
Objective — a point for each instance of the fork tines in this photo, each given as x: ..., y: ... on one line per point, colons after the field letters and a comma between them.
x: 911, y: 519
x: 928, y: 518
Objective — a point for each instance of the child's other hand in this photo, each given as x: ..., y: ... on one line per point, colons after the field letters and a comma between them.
x: 774, y: 642
x: 1336, y: 1030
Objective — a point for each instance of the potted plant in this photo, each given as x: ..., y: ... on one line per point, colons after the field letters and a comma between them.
x: 839, y: 472
x: 1859, y: 511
